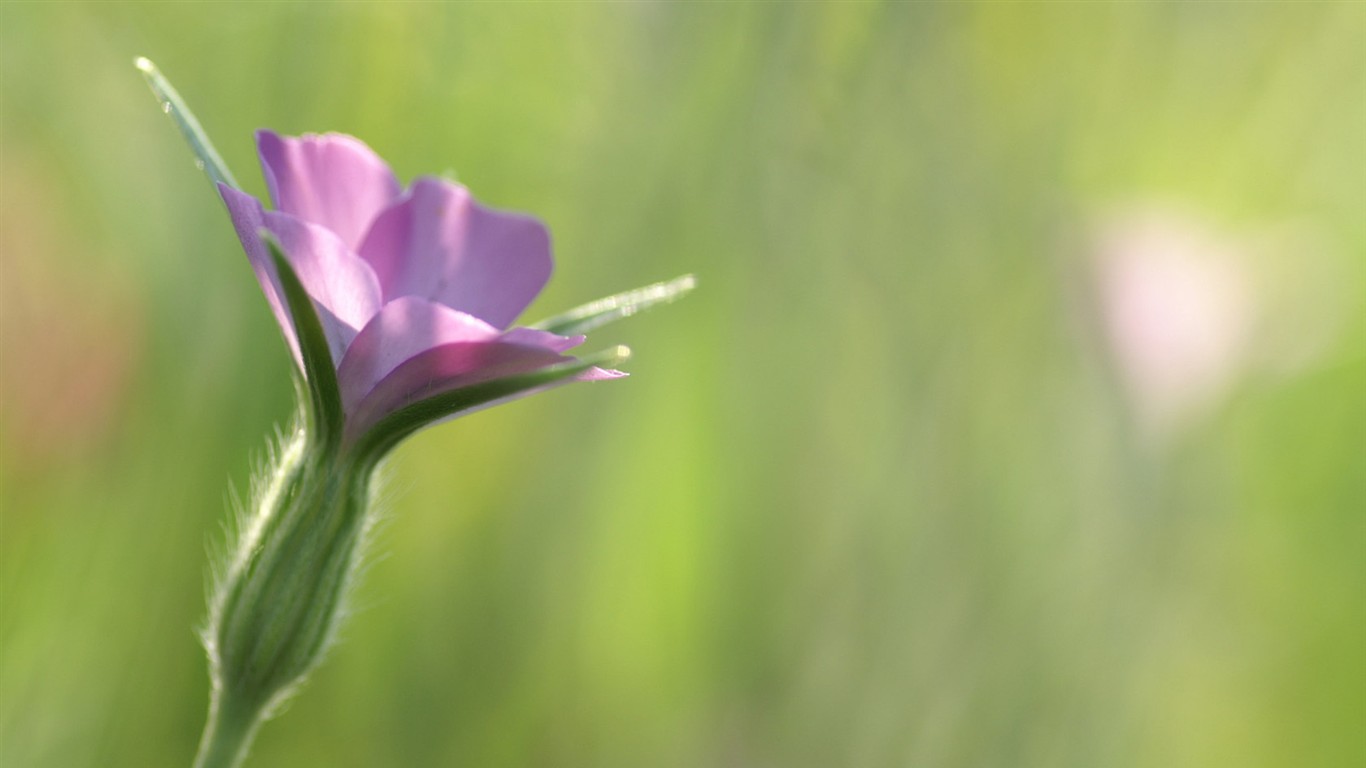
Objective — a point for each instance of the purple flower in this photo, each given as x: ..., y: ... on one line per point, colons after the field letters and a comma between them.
x: 416, y: 290
x: 398, y: 308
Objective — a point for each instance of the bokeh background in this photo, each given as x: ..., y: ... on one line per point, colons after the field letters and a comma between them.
x: 1019, y: 419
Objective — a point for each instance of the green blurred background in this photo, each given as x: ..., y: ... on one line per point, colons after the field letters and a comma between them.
x: 879, y: 493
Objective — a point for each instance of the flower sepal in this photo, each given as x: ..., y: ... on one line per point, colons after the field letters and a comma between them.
x: 325, y: 419
x: 207, y: 158
x: 596, y: 314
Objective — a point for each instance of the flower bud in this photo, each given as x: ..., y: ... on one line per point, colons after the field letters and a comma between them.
x: 277, y: 604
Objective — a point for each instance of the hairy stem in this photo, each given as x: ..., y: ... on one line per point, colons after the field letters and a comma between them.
x: 228, y: 734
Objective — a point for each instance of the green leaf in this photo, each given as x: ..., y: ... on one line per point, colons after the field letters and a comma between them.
x: 604, y: 311
x: 392, y: 429
x: 319, y: 372
x: 206, y: 157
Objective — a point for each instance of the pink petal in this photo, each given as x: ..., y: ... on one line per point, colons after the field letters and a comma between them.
x: 414, y: 349
x: 442, y: 369
x: 439, y: 244
x: 332, y: 180
x: 400, y: 331
x: 535, y: 338
x: 378, y: 406
x: 452, y: 366
x: 343, y: 287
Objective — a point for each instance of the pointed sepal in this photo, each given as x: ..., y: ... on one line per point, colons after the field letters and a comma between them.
x: 603, y: 311
x: 320, y: 374
x: 206, y: 157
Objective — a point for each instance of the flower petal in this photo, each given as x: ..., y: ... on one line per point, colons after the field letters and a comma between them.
x: 400, y: 331
x: 343, y: 287
x: 375, y: 431
x: 452, y: 366
x: 332, y: 180
x: 437, y: 243
x: 415, y: 348
x: 537, y: 338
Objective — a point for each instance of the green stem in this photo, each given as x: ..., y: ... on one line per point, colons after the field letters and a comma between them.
x: 228, y: 734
